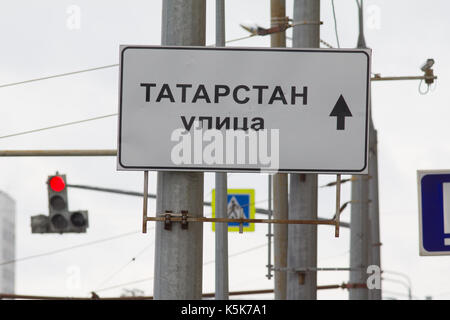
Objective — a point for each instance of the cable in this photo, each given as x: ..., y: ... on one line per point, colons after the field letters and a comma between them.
x: 243, y: 38
x: 125, y: 265
x: 84, y: 70
x: 124, y: 284
x: 206, y: 263
x: 333, y: 183
x: 400, y: 294
x: 107, y: 67
x: 113, y: 65
x: 239, y: 253
x: 326, y: 44
x: 69, y: 248
x: 335, y: 24
x: 57, y: 126
x: 423, y: 92
x: 58, y: 75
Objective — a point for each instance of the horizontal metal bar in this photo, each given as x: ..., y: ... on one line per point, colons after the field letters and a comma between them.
x: 30, y: 297
x: 227, y: 220
x: 153, y: 196
x: 59, y: 153
x: 315, y: 269
x: 238, y: 293
x: 403, y: 78
x: 204, y: 295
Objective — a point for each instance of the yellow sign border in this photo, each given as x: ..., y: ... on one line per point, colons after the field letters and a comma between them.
x: 252, y: 211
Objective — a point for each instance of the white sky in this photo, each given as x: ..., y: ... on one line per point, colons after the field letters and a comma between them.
x: 412, y: 129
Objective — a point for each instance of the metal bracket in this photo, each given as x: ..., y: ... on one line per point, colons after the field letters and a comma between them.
x: 269, y: 268
x: 167, y: 218
x: 377, y: 244
x: 184, y: 222
x: 167, y: 221
x: 299, y: 23
x: 301, y: 277
x: 429, y: 76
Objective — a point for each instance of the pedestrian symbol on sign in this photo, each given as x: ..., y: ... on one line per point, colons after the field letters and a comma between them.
x: 235, y: 211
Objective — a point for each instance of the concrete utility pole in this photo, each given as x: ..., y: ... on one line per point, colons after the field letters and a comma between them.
x: 302, y: 243
x: 179, y: 253
x: 280, y: 180
x: 358, y: 236
x: 359, y: 219
x: 221, y: 189
x: 374, y: 217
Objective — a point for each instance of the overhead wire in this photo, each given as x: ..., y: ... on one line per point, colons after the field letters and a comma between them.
x: 57, y: 126
x: 85, y: 70
x: 78, y: 72
x: 400, y: 294
x: 335, y: 24
x: 206, y: 263
x: 69, y: 248
x: 125, y: 265
x: 5, y: 85
x: 59, y: 75
x: 68, y: 74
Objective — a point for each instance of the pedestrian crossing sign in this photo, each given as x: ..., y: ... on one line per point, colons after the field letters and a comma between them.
x: 241, y: 204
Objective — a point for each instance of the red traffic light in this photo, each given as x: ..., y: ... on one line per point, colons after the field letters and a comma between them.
x: 57, y: 183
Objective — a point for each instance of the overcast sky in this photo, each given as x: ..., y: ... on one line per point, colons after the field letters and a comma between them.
x: 38, y: 39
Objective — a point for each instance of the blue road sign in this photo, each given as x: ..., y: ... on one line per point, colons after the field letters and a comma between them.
x: 434, y: 212
x: 241, y: 204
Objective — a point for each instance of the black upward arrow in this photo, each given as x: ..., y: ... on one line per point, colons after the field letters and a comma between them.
x: 340, y: 111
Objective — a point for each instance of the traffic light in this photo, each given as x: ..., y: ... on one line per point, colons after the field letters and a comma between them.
x: 58, y: 206
x: 59, y: 219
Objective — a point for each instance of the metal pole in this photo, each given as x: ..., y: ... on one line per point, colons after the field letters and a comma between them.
x: 302, y: 243
x: 59, y: 153
x: 277, y: 17
x: 269, y: 228
x: 358, y: 237
x: 178, y: 253
x: 144, y: 207
x: 280, y: 180
x: 359, y: 219
x: 221, y: 189
x: 374, y: 217
x: 280, y: 206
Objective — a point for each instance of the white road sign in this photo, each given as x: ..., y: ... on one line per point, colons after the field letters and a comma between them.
x: 243, y: 109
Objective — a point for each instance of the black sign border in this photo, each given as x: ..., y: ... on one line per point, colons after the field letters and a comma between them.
x: 249, y: 170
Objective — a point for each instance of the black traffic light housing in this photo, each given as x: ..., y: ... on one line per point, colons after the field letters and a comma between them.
x: 58, y: 205
x: 59, y: 219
